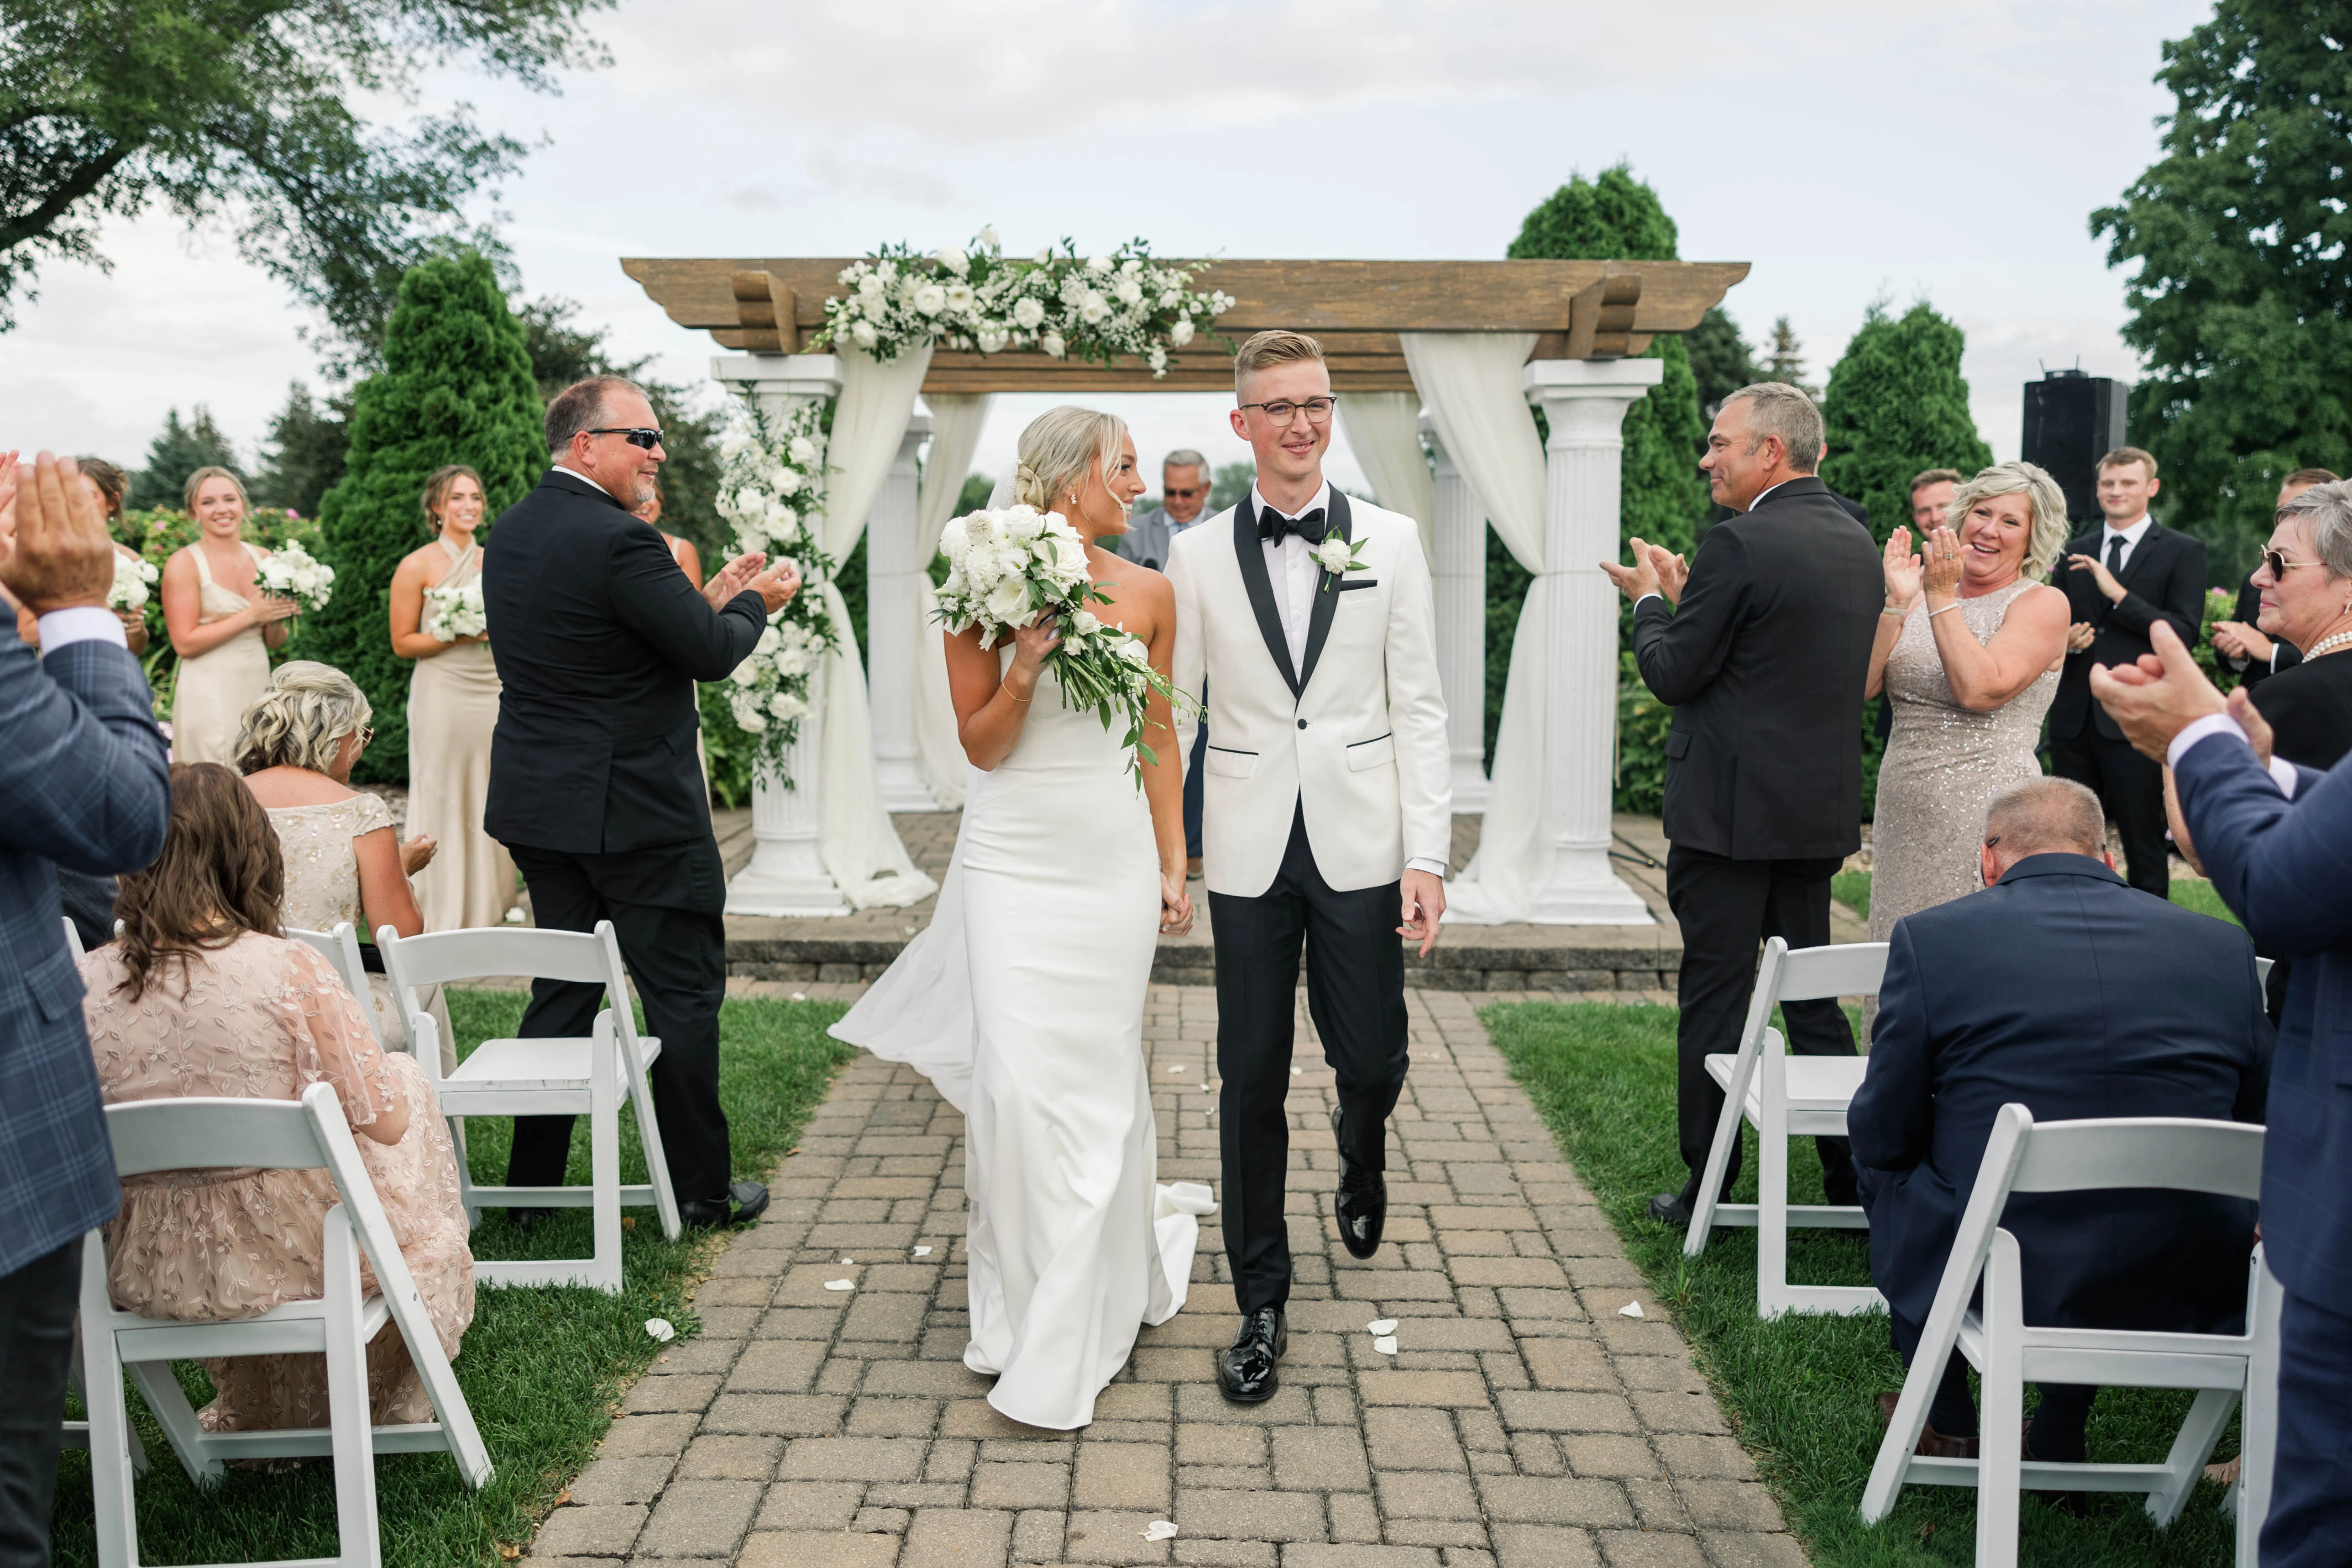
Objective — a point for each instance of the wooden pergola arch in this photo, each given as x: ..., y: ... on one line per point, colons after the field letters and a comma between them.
x: 1579, y: 310
x: 1590, y: 322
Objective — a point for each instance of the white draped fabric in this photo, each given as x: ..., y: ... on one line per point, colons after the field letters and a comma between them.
x: 956, y: 421
x: 860, y: 847
x: 1384, y: 432
x: 1471, y: 382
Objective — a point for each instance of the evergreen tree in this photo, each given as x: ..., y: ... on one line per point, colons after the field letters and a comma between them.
x: 2241, y: 302
x: 177, y: 452
x: 1720, y: 360
x: 1897, y: 404
x: 1784, y: 359
x: 455, y: 387
x: 303, y: 456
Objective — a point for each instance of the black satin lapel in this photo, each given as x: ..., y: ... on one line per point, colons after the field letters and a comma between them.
x: 1319, y: 624
x: 1261, y: 591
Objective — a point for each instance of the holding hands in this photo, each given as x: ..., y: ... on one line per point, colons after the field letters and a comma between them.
x: 1655, y: 570
x: 2240, y: 640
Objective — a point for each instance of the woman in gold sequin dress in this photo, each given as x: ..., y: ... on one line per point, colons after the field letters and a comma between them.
x: 1968, y: 650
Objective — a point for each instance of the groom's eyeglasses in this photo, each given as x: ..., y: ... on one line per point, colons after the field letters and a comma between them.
x: 634, y: 436
x: 1316, y: 409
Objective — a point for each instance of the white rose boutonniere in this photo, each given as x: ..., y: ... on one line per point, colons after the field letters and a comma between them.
x: 1337, y: 556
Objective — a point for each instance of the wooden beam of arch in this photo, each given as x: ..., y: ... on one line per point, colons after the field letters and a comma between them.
x: 1597, y: 310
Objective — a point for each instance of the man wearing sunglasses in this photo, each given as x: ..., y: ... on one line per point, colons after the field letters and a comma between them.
x: 1183, y: 501
x: 595, y: 787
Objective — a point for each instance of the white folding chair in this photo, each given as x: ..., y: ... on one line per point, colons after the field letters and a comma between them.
x: 2174, y: 1154
x: 544, y: 1077
x: 341, y: 948
x: 1785, y: 1097
x: 73, y: 940
x: 276, y: 1135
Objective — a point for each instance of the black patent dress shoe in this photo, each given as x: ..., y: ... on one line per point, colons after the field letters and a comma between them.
x: 1362, y: 1204
x: 744, y: 1201
x: 1247, y: 1370
x: 1668, y: 1208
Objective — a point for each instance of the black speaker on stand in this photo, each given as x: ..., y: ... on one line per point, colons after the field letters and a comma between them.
x: 2072, y: 420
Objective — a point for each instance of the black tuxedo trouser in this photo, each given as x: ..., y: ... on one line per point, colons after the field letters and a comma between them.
x: 2056, y: 1432
x: 1727, y: 910
x: 2130, y: 789
x: 666, y: 905
x: 1355, y: 994
x: 37, y: 1303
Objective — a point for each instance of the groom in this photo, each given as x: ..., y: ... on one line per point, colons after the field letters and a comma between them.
x: 1328, y: 818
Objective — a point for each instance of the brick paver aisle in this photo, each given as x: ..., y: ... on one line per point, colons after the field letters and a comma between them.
x: 1523, y: 1422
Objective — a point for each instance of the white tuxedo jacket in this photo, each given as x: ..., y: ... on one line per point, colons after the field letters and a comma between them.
x: 1358, y: 735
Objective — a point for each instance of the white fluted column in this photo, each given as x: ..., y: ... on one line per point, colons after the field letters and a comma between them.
x: 1584, y: 402
x: 786, y: 876
x: 1459, y: 573
x: 894, y: 629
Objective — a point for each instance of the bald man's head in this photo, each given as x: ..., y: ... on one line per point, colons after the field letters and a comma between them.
x: 2042, y: 817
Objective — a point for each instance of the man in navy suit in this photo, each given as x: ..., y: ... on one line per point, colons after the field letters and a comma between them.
x: 84, y: 783
x: 2278, y: 842
x: 2064, y: 989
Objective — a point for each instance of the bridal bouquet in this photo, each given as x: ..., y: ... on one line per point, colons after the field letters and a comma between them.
x: 291, y: 574
x: 454, y: 612
x: 132, y: 577
x: 1008, y: 569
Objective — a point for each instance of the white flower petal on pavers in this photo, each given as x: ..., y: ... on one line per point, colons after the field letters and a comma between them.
x: 1381, y: 1326
x: 922, y: 1252
x: 1159, y: 1529
x: 660, y: 1328
x: 848, y: 1262
x: 1178, y: 1066
x: 1296, y: 1071
x: 800, y: 995
x: 841, y: 1284
x: 1385, y: 1344
x: 1631, y: 1309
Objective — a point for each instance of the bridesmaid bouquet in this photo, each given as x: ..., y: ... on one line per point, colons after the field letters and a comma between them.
x: 1008, y: 569
x: 291, y: 574
x: 454, y: 612
x: 132, y: 577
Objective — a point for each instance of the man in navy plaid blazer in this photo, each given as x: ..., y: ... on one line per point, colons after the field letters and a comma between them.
x: 83, y: 782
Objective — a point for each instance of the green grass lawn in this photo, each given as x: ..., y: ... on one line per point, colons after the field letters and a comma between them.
x: 1799, y: 1392
x: 540, y: 1367
x: 1853, y: 888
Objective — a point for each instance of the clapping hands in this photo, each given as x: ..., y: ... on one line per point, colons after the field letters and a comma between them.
x: 1655, y: 570
x: 775, y: 584
x: 61, y: 555
x: 1902, y: 569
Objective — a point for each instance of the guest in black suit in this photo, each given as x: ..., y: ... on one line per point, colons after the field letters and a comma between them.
x: 2059, y: 988
x: 1763, y: 658
x: 2242, y: 643
x: 595, y: 789
x: 2119, y: 580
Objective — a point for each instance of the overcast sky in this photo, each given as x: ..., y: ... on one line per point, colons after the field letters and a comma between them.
x: 1850, y: 151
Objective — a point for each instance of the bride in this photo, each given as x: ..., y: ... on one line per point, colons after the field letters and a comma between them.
x: 1023, y: 999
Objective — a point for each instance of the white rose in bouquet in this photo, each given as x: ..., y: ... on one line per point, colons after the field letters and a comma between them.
x: 930, y: 299
x: 132, y: 578
x: 1028, y: 312
x: 1092, y: 306
x: 952, y: 257
x: 291, y: 574
x: 1053, y: 345
x: 1008, y: 603
x: 788, y: 706
x: 862, y: 335
x: 454, y: 612
x: 747, y: 674
x: 1098, y: 264
x: 1128, y: 291
x: 869, y: 286
x: 1182, y: 332
x: 733, y: 444
x: 770, y: 641
x: 988, y: 236
x: 750, y: 718
x: 960, y: 298
x: 803, y: 450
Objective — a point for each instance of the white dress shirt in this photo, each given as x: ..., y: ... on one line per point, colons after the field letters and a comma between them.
x: 2131, y: 537
x: 2282, y: 772
x: 1294, y: 574
x: 83, y: 623
x: 585, y: 479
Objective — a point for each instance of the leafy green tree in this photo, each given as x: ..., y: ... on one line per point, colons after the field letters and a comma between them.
x: 251, y: 111
x: 2242, y: 300
x: 455, y: 387
x: 177, y: 451
x: 1231, y: 483
x: 1720, y: 360
x: 303, y: 456
x: 1897, y: 404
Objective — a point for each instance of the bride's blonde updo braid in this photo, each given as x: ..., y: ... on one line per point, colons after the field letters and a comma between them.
x: 1060, y: 453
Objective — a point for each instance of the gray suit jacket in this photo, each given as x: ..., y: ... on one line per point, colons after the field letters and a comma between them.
x: 1149, y: 534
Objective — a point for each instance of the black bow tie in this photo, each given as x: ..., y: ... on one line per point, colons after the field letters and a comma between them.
x: 1273, y: 527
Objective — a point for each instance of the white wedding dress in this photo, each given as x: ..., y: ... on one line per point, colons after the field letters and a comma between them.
x: 1022, y: 1003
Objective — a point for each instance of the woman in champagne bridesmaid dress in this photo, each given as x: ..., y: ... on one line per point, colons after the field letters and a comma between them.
x: 222, y: 625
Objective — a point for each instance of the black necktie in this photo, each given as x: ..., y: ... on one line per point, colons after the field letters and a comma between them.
x: 2116, y: 543
x: 1273, y: 527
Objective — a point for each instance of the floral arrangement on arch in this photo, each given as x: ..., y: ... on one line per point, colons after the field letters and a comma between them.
x: 772, y: 493
x: 1097, y: 308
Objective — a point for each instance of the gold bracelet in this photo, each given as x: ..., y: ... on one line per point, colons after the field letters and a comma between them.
x: 1031, y: 698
